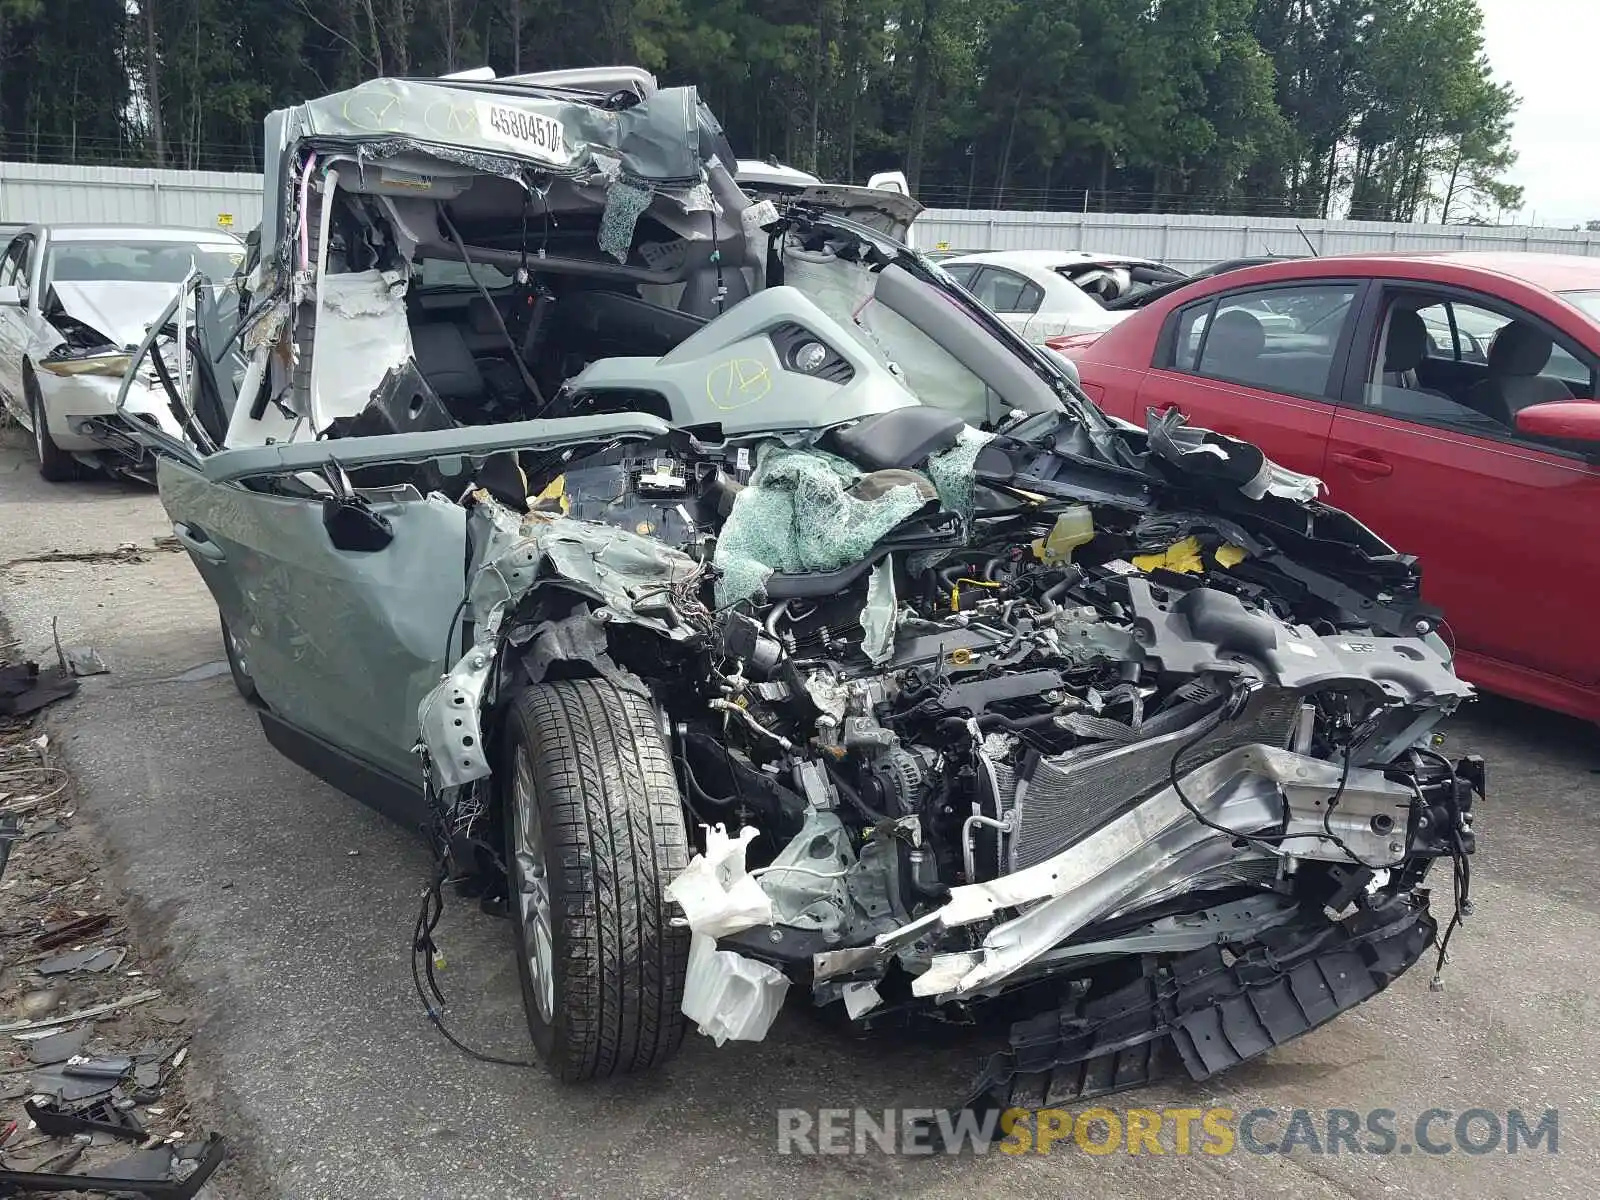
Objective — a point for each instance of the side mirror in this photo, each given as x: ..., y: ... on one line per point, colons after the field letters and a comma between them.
x: 1570, y: 420
x: 10, y: 296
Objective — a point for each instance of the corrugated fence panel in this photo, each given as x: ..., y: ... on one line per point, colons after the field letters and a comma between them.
x: 1191, y: 242
x: 128, y: 196
x: 122, y: 195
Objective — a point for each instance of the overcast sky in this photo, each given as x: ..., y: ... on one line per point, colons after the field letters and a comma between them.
x: 1549, y: 52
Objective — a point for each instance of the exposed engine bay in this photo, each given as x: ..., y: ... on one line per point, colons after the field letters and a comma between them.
x: 957, y: 715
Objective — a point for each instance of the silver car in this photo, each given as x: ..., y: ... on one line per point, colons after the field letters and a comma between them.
x: 752, y: 610
x: 74, y: 299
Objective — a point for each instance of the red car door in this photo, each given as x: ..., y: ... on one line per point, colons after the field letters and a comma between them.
x: 1507, y: 527
x: 1260, y: 364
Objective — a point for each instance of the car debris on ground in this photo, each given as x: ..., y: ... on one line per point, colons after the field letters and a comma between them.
x: 92, y: 1092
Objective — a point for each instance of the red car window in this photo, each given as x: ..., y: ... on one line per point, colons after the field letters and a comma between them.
x: 1444, y: 361
x: 1282, y: 339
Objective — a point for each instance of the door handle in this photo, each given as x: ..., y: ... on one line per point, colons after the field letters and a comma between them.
x: 1362, y: 464
x: 195, y: 541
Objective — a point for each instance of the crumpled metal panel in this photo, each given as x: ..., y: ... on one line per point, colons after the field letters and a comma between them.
x: 634, y: 580
x: 1063, y: 797
x: 656, y: 140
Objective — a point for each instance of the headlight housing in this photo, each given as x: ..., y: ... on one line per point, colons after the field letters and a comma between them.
x: 113, y: 363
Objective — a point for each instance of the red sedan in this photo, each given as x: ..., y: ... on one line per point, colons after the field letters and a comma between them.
x: 1447, y: 400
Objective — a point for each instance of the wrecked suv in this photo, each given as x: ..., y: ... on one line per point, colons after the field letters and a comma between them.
x: 768, y: 616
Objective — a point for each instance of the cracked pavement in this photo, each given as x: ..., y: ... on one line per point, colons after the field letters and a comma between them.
x: 284, y: 911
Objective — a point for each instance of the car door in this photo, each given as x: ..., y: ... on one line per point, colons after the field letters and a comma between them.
x: 1262, y: 364
x: 14, y: 318
x: 342, y: 636
x: 1504, y: 523
x: 1012, y: 297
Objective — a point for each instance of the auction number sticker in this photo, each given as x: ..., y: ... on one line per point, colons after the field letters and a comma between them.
x: 529, y: 133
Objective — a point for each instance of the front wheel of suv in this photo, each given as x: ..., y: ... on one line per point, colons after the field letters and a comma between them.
x: 594, y: 833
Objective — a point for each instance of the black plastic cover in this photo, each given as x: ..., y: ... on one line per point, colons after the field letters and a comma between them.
x: 903, y: 438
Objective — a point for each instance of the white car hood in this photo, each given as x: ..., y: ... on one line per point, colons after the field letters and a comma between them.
x: 119, y: 309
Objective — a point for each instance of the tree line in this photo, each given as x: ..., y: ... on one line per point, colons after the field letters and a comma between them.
x: 1381, y: 109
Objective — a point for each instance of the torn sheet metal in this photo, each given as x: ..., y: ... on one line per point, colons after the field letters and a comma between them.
x: 1155, y: 848
x: 634, y: 580
x: 656, y: 139
x: 806, y: 881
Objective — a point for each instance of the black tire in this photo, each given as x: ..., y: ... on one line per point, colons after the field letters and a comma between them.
x: 597, y: 778
x: 238, y: 668
x: 55, y: 464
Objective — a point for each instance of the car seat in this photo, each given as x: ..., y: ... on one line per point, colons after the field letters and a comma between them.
x: 1235, y: 340
x: 1517, y: 355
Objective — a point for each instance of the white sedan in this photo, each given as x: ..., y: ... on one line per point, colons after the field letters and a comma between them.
x: 1046, y: 293
x: 74, y: 299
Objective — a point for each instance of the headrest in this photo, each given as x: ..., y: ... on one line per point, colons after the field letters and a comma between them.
x: 1238, y: 332
x: 1408, y: 341
x: 1519, y: 349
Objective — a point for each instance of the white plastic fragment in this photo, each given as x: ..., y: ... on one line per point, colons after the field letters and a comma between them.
x: 731, y: 997
x: 861, y: 998
x: 716, y: 893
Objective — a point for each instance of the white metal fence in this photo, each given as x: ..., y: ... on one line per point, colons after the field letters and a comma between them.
x: 32, y: 192
x: 121, y: 195
x: 1191, y: 242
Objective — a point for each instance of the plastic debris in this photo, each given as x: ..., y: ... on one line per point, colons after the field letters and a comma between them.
x: 717, y: 895
x: 100, y: 1117
x: 731, y: 997
x: 861, y: 998
x: 54, y: 1081
x: 26, y: 1030
x: 95, y: 960
x: 26, y: 687
x: 85, y: 660
x: 59, y: 1047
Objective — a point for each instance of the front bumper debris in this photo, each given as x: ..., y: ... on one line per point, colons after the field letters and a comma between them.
x: 1204, y: 1011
